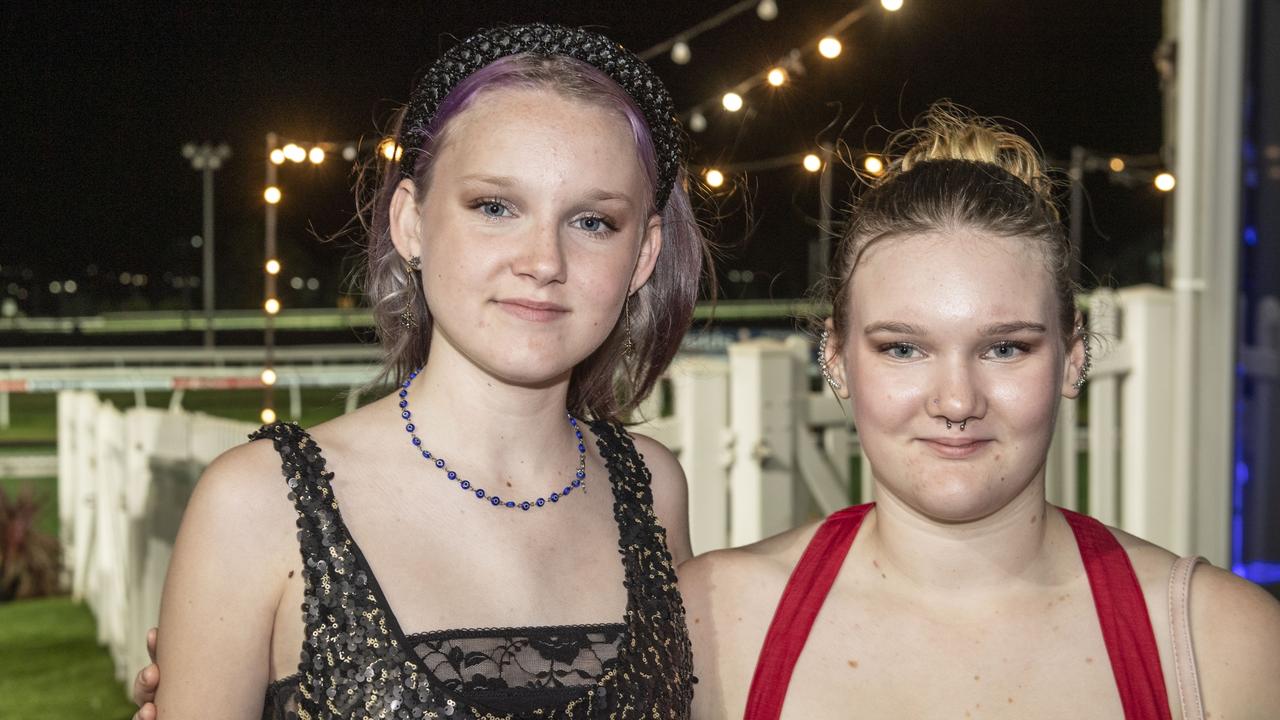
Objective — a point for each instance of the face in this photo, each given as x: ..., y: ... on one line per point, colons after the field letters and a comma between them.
x: 533, y: 231
x: 963, y: 328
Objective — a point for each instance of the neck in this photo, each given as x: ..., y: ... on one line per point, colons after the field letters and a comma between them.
x: 998, y: 551
x: 506, y: 437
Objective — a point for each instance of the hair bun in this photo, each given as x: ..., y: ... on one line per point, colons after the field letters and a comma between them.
x: 948, y: 131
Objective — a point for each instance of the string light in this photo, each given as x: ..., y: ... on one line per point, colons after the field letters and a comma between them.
x: 812, y: 163
x: 1165, y: 182
x: 777, y: 77
x: 732, y: 101
x: 697, y: 121
x: 873, y: 164
x: 1116, y: 164
x: 294, y: 152
x: 316, y: 156
x: 268, y: 416
x: 277, y: 156
x: 389, y: 149
x: 272, y: 306
x: 268, y: 376
x: 767, y: 10
x: 273, y: 267
x: 891, y: 5
x: 714, y: 178
x: 680, y: 53
x: 829, y: 47
x: 271, y: 194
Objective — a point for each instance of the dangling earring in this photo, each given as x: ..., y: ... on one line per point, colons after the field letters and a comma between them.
x: 1088, y: 361
x: 822, y: 361
x: 407, y: 318
x: 628, y: 345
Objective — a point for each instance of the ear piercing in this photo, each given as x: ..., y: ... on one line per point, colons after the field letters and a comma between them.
x: 1088, y: 360
x: 408, y: 320
x: 822, y: 361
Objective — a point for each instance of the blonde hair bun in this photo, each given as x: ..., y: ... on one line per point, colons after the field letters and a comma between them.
x: 948, y: 131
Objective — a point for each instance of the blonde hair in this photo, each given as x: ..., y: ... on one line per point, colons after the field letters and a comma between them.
x: 957, y: 171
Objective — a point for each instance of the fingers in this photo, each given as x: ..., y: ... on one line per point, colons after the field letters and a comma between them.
x: 146, y: 712
x: 151, y: 642
x: 144, y: 689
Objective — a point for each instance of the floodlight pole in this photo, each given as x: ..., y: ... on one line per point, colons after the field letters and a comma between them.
x: 207, y: 159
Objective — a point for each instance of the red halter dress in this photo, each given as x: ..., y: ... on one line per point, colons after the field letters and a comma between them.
x: 1122, y: 612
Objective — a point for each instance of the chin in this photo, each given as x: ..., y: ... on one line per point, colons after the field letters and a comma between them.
x: 532, y: 369
x: 958, y: 497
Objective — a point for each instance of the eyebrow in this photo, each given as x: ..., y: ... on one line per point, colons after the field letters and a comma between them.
x: 593, y: 195
x: 1009, y: 328
x: 1004, y: 328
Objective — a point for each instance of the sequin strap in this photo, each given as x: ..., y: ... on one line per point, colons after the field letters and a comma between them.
x: 300, y: 463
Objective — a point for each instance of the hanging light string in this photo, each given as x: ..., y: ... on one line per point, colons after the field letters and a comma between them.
x: 710, y: 23
x: 790, y: 63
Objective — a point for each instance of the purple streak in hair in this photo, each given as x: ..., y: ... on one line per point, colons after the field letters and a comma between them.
x: 514, y: 71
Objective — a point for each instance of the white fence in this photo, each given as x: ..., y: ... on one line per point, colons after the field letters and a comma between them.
x: 762, y: 448
x: 123, y: 481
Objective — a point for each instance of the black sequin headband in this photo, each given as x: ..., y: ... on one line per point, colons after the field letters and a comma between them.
x: 630, y: 72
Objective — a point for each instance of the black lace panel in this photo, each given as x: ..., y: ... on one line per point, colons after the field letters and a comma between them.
x: 517, y: 670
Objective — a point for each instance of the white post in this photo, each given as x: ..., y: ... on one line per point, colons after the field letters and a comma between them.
x: 1104, y: 408
x: 701, y: 387
x: 761, y: 403
x: 1147, y: 468
x: 1061, y: 483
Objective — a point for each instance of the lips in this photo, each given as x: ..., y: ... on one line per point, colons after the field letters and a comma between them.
x: 955, y: 448
x: 532, y: 310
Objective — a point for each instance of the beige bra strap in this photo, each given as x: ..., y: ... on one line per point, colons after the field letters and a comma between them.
x: 1184, y: 657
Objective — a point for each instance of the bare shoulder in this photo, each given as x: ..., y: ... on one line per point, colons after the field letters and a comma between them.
x: 1151, y: 563
x: 244, y: 487
x: 670, y: 494
x: 1235, y: 631
x: 728, y: 575
x: 730, y: 598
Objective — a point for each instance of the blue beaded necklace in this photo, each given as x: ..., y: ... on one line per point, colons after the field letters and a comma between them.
x: 579, y: 479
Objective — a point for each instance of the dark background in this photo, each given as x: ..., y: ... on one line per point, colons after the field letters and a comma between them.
x: 100, y: 98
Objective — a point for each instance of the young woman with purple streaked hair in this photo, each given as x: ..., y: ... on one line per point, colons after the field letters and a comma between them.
x: 485, y: 541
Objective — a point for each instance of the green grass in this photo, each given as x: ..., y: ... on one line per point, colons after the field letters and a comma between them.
x: 34, y: 422
x: 51, y: 667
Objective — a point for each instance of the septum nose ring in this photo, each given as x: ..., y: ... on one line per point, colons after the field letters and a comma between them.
x: 962, y: 424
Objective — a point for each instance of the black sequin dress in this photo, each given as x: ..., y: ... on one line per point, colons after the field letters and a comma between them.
x: 356, y: 661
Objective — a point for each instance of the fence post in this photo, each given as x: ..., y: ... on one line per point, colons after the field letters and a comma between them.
x: 1104, y: 407
x: 1146, y: 425
x: 701, y: 389
x: 762, y: 413
x: 1062, y: 485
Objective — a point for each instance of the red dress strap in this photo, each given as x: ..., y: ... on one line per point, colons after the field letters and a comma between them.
x: 1126, y: 626
x: 798, y: 607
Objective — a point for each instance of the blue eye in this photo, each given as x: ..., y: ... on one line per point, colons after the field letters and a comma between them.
x: 900, y: 351
x: 595, y: 224
x: 493, y: 209
x: 1007, y: 350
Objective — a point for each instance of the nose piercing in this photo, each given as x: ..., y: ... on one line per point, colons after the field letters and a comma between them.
x: 962, y: 424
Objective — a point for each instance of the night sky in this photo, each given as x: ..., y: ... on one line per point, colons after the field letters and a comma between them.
x: 101, y: 98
